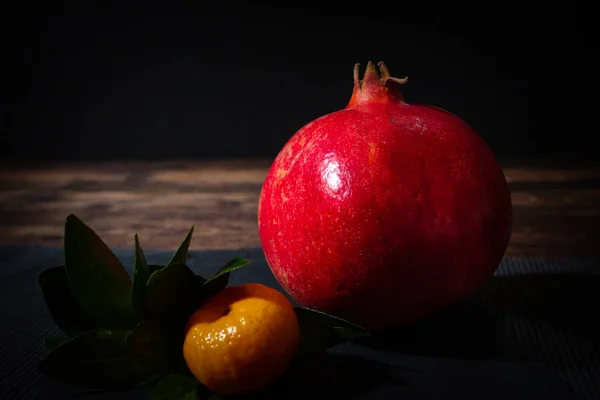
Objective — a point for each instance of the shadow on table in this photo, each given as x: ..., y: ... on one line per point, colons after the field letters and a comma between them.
x: 346, y: 376
x: 350, y: 376
x: 497, y: 322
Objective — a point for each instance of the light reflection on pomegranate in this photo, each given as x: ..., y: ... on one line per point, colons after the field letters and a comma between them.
x: 333, y: 176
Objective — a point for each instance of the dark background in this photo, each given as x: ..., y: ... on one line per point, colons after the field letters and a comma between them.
x: 238, y: 79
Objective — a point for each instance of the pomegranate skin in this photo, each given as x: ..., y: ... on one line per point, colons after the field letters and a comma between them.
x: 384, y: 212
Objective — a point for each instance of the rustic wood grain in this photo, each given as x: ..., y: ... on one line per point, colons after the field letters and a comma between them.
x: 557, y: 209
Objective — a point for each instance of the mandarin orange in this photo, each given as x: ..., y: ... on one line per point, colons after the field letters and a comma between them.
x: 241, y: 339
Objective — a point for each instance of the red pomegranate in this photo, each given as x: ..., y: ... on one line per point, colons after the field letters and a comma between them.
x: 384, y: 212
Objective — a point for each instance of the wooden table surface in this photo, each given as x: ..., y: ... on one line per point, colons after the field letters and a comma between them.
x: 557, y: 209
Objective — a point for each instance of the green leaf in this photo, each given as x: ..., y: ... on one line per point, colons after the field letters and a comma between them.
x: 62, y: 305
x: 160, y: 341
x: 51, y: 342
x: 220, y: 279
x: 320, y: 331
x: 97, y: 278
x: 154, y: 267
x: 176, y: 387
x: 99, y: 359
x: 344, y: 328
x: 148, y: 340
x: 172, y: 291
x: 201, y: 279
x: 232, y: 265
x: 181, y: 253
x: 141, y: 274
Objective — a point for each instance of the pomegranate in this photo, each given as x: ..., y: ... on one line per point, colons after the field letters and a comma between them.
x: 384, y: 212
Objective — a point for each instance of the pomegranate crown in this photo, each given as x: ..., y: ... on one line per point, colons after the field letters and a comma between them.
x: 376, y: 86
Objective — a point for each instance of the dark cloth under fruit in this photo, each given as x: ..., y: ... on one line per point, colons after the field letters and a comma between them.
x: 531, y: 333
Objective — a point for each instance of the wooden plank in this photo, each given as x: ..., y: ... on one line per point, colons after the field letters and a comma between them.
x: 557, y: 210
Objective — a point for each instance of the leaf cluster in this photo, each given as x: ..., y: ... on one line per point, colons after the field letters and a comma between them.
x: 122, y: 332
